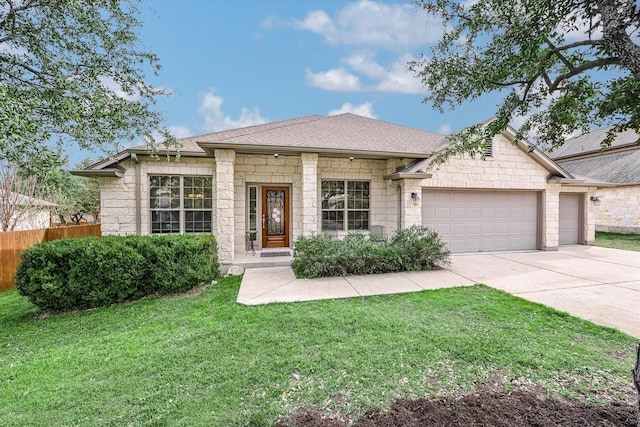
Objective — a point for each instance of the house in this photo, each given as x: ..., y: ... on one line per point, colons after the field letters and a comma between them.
x: 19, y: 212
x: 616, y: 169
x: 268, y: 184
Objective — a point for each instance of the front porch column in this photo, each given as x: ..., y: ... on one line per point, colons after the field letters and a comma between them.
x: 224, y: 202
x: 411, y: 207
x: 551, y: 215
x: 309, y: 194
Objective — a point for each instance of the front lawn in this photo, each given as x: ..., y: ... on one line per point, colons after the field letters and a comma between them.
x: 629, y: 242
x: 206, y: 361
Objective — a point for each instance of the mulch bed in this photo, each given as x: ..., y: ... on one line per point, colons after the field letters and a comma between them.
x: 483, y: 407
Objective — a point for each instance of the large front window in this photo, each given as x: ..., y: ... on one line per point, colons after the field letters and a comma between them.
x: 180, y: 204
x: 345, y: 205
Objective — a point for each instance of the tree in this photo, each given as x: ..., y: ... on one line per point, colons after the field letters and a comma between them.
x: 565, y: 65
x: 18, y: 203
x: 73, y: 72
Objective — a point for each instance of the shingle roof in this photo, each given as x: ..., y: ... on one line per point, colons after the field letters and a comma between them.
x: 341, y: 133
x: 621, y: 167
x: 590, y: 143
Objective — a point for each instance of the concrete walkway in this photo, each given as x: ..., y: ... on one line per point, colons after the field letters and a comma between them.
x: 598, y: 284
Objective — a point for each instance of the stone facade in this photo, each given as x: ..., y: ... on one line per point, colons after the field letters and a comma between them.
x: 126, y: 210
x: 618, y: 210
x: 118, y: 195
x: 510, y: 168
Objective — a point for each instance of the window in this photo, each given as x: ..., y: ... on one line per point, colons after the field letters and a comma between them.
x: 345, y: 205
x: 180, y: 204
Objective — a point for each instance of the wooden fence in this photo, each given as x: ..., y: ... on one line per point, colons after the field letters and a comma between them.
x: 13, y: 243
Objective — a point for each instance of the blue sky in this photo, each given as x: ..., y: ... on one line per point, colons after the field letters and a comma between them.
x: 237, y: 63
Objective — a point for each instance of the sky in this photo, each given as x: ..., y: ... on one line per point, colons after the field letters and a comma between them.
x: 236, y: 63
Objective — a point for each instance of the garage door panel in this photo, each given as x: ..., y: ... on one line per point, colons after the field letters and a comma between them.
x: 483, y: 220
x: 569, y: 216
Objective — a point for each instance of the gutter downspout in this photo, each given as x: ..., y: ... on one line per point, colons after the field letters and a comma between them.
x: 134, y: 156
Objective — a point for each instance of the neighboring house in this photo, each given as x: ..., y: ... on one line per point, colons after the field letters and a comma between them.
x: 274, y: 182
x: 616, y: 169
x: 19, y: 212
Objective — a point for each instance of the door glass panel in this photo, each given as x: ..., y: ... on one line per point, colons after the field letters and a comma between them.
x: 275, y: 214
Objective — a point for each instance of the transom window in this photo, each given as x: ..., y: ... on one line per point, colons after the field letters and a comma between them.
x: 180, y: 204
x: 345, y: 205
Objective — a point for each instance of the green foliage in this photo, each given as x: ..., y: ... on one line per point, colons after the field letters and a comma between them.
x: 412, y: 249
x: 74, y: 72
x: 207, y: 361
x: 93, y: 272
x: 565, y: 65
x: 628, y: 242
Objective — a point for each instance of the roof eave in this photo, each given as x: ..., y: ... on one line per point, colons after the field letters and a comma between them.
x: 210, y: 148
x: 407, y: 175
x: 99, y: 173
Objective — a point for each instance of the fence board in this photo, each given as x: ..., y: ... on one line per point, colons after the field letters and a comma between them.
x: 13, y: 243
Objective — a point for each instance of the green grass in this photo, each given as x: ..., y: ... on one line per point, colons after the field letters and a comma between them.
x: 206, y: 361
x: 629, y: 242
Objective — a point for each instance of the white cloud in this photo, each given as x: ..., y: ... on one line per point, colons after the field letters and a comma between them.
x: 576, y: 28
x: 179, y: 131
x: 216, y: 120
x: 396, y: 79
x: 370, y: 23
x: 365, y: 110
x: 317, y: 21
x: 337, y: 79
x: 444, y: 129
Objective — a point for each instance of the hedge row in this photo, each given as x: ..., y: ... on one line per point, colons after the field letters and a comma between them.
x: 412, y: 249
x: 97, y: 271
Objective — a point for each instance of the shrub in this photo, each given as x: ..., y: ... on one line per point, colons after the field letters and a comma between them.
x: 92, y: 272
x: 411, y: 249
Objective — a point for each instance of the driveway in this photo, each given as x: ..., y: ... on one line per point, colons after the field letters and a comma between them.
x: 594, y: 283
x: 598, y: 284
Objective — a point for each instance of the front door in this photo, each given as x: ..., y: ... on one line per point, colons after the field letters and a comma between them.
x: 275, y: 217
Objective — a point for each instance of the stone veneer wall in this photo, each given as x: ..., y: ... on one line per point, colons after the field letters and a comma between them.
x: 118, y: 195
x: 509, y: 168
x: 382, y: 196
x: 619, y: 209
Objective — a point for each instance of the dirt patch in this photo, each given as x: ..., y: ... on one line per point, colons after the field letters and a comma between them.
x: 486, y: 406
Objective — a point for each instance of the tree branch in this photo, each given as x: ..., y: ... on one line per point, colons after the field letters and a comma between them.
x: 598, y: 63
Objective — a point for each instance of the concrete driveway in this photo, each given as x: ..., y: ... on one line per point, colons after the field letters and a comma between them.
x: 594, y: 283
x: 598, y: 284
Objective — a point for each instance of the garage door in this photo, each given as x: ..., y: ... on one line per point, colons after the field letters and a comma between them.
x: 569, y: 219
x: 476, y: 221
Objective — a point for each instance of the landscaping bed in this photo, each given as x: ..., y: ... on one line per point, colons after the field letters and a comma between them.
x: 488, y: 405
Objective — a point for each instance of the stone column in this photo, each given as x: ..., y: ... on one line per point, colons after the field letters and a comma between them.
x: 309, y: 194
x: 590, y: 217
x: 551, y: 215
x: 411, y: 212
x: 225, y: 200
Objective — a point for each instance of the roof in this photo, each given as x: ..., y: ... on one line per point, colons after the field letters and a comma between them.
x: 618, y: 163
x: 341, y: 134
x: 23, y: 200
x: 589, y: 143
x: 622, y: 167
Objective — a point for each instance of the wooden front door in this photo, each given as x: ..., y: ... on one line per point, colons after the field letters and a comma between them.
x: 275, y: 217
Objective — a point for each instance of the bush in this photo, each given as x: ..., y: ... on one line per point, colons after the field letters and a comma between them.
x: 93, y: 272
x: 411, y: 249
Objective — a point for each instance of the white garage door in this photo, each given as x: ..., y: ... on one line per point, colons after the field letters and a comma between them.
x: 477, y: 221
x: 569, y: 219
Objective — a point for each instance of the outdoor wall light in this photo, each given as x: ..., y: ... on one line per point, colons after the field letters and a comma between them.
x: 275, y: 156
x: 415, y: 198
x: 595, y: 200
x: 351, y: 159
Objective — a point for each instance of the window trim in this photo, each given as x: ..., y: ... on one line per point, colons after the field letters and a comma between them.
x: 346, y: 210
x: 181, y: 209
